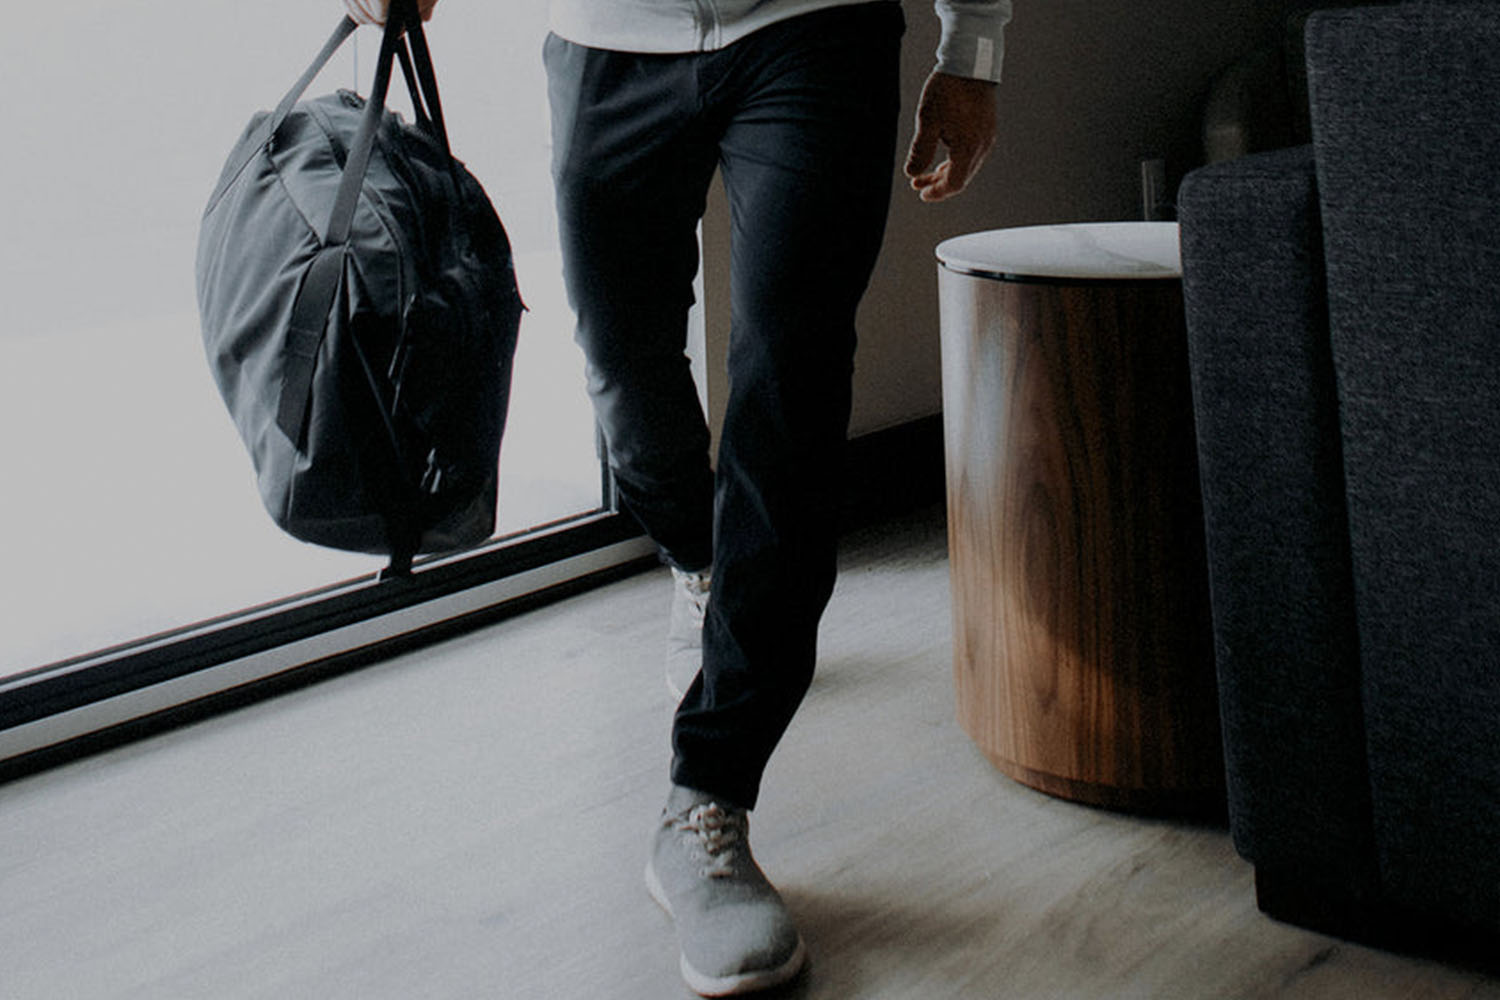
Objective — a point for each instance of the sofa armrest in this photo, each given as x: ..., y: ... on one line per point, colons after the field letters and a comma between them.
x: 1268, y: 441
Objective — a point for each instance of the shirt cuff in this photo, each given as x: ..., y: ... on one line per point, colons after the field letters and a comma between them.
x: 973, y: 40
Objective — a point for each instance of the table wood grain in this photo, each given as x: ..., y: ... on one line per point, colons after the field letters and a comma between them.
x: 1083, y: 649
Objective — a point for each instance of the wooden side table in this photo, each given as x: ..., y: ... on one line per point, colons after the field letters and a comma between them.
x: 1083, y: 648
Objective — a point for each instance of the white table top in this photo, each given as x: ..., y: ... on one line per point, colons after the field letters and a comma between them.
x: 1078, y: 251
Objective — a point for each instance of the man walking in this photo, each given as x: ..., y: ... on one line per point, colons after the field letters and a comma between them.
x: 795, y: 103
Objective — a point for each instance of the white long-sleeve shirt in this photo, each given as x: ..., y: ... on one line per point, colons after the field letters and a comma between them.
x: 972, y: 45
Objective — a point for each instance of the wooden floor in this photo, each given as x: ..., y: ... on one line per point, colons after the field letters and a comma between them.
x: 470, y: 821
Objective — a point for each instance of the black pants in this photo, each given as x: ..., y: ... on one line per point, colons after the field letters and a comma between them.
x: 800, y: 117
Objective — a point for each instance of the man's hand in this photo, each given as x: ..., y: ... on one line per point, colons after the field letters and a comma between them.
x: 958, y: 113
x: 374, y: 11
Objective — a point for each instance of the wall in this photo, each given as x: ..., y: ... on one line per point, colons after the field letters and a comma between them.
x: 1092, y: 87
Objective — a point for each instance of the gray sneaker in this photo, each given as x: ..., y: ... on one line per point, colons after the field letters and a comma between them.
x: 734, y: 931
x: 685, y: 632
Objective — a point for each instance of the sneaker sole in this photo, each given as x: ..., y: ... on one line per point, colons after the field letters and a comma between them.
x: 727, y: 986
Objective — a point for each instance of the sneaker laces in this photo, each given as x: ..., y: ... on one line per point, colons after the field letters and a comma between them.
x: 719, y: 831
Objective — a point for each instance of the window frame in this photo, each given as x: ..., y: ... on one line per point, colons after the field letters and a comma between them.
x: 58, y: 711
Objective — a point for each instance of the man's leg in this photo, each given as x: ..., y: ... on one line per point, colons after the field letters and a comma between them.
x: 808, y: 157
x: 631, y: 170
x: 809, y: 109
x: 790, y: 363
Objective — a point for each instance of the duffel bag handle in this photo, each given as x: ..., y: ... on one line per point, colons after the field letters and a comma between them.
x: 402, y: 23
x: 420, y: 80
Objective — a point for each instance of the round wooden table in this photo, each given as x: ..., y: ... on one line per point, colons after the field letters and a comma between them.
x: 1083, y: 649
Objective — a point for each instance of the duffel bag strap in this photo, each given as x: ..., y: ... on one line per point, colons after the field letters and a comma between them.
x: 320, y: 286
x: 272, y: 122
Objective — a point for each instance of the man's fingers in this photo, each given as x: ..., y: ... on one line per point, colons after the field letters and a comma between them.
x: 374, y: 11
x: 924, y: 147
x: 938, y: 184
x: 365, y: 11
x: 952, y: 175
x: 929, y: 186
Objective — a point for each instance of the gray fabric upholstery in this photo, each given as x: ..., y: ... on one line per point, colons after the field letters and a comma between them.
x: 1273, y: 495
x: 1344, y: 323
x: 1413, y: 263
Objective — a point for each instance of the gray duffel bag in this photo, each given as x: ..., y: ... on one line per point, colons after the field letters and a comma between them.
x: 359, y: 311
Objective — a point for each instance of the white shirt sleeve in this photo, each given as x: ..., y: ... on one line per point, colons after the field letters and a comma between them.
x: 973, y: 41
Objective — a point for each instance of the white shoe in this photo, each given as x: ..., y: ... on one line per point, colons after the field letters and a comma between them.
x: 685, y: 632
x: 734, y: 931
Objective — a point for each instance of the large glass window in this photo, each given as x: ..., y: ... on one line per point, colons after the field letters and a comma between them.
x: 129, y: 505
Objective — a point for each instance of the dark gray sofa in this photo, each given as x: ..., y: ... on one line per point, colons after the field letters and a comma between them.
x: 1343, y: 303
